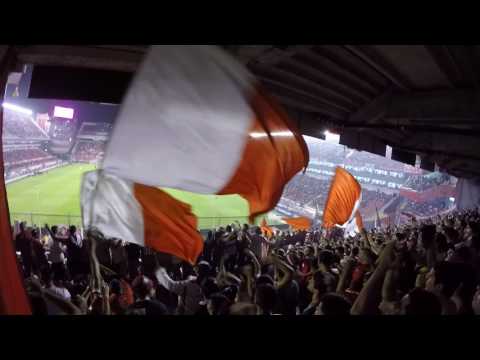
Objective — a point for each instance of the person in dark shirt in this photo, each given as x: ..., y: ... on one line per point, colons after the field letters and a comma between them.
x: 40, y: 262
x: 257, y: 241
x: 134, y: 253
x: 74, y: 252
x: 24, y: 246
x: 145, y: 303
x: 288, y: 298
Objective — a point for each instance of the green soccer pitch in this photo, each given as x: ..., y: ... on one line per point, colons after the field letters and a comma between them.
x: 54, y: 198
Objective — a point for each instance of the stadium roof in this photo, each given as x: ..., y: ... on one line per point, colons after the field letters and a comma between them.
x: 418, y: 99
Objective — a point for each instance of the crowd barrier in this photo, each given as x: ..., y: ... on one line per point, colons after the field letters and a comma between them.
x: 40, y: 219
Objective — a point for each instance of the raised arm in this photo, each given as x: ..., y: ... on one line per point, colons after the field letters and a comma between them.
x: 389, y: 305
x: 168, y: 283
x: 255, y: 262
x: 371, y: 294
x: 285, y: 269
x: 345, y: 275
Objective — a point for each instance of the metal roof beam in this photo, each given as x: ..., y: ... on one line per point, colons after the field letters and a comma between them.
x: 367, y: 54
x: 306, y: 84
x: 79, y: 56
x: 446, y: 63
x: 328, y: 81
x: 452, y: 106
x: 337, y: 71
x: 294, y: 90
x: 301, y: 104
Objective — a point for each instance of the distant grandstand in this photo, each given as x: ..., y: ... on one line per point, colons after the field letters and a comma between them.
x: 389, y: 187
x: 24, y: 145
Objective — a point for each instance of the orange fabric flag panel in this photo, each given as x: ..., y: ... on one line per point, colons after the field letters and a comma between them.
x: 343, y: 199
x: 299, y: 223
x: 267, y: 230
x: 169, y: 224
x: 274, y: 153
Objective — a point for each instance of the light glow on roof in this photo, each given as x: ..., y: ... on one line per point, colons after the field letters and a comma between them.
x: 17, y: 108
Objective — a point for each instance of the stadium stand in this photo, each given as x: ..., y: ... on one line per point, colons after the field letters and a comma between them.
x: 21, y: 126
x: 88, y: 151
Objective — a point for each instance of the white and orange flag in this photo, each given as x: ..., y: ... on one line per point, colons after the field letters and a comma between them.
x: 343, y: 202
x: 193, y: 119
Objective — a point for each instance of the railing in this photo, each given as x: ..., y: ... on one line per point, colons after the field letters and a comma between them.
x: 54, y: 219
x: 42, y: 219
x: 215, y: 222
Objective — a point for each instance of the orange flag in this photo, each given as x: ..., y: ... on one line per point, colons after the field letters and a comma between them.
x: 273, y: 154
x: 343, y: 199
x: 267, y: 230
x: 299, y: 223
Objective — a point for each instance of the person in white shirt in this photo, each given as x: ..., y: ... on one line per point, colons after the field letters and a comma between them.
x: 61, y: 291
x: 189, y: 290
x: 55, y: 283
x: 57, y: 252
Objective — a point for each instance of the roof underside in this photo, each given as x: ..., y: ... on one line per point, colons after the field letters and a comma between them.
x: 415, y: 98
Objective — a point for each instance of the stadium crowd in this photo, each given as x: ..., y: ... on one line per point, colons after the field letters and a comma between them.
x: 427, y: 208
x: 88, y: 151
x: 421, y: 183
x: 19, y: 156
x: 20, y: 162
x: 21, y: 126
x: 303, y: 188
x: 427, y: 267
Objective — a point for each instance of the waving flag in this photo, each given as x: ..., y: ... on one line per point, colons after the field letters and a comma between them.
x: 193, y: 119
x: 299, y: 223
x: 343, y: 200
x: 267, y: 230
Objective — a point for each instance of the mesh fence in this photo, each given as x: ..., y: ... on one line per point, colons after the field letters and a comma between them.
x: 214, y: 222
x: 42, y: 219
x: 53, y: 219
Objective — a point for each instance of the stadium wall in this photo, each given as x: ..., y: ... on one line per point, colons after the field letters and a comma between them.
x: 56, y: 166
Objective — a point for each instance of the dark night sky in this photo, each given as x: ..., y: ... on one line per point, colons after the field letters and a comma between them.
x: 84, y: 111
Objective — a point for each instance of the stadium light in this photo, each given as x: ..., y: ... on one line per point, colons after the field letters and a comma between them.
x: 63, y: 112
x: 274, y: 133
x: 17, y: 108
x: 331, y: 137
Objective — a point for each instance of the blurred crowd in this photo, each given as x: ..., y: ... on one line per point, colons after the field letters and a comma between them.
x: 427, y: 208
x: 428, y: 267
x: 89, y: 151
x: 303, y: 189
x: 20, y: 156
x: 20, y: 162
x: 21, y: 126
x: 420, y: 183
